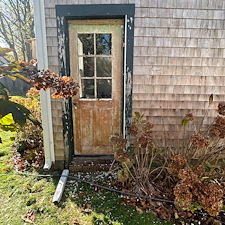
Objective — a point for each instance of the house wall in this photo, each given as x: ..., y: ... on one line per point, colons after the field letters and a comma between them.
x: 179, y: 50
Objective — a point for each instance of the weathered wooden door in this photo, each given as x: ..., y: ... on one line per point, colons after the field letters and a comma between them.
x: 96, y: 62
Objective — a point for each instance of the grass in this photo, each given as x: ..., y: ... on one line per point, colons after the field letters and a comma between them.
x: 81, y: 204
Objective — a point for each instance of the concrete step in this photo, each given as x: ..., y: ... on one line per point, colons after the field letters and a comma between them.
x: 91, y: 163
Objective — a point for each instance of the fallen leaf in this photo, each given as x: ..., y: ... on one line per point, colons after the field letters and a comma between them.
x: 163, y: 213
x: 29, y: 217
x: 81, y: 194
x: 212, y: 221
x: 176, y: 215
x: 88, y: 206
x: 76, y: 222
x: 140, y: 211
x: 145, y: 206
x: 87, y: 210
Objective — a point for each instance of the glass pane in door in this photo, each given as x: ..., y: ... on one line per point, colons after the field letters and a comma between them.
x: 104, y: 66
x: 87, y: 88
x: 104, y: 88
x: 103, y: 44
x: 86, y: 66
x: 85, y: 44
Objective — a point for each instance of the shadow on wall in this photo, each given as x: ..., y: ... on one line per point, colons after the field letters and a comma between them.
x: 16, y: 87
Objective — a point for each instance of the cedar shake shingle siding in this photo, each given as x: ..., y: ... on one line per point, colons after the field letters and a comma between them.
x: 179, y: 51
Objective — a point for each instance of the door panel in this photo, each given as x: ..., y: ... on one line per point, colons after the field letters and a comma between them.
x: 96, y: 62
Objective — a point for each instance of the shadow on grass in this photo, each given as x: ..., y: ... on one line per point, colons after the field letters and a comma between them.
x: 107, y: 208
x: 52, y: 172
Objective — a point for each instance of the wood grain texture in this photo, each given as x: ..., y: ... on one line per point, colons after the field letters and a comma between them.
x: 95, y: 120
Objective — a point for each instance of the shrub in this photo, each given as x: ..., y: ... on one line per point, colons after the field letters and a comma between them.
x: 29, y: 140
x: 142, y: 160
x: 192, y: 171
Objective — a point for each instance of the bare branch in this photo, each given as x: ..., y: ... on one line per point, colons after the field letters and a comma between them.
x: 17, y: 25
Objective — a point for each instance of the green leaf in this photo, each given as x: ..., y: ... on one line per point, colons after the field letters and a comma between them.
x: 14, y: 71
x: 137, y: 115
x: 12, y: 77
x: 210, y: 99
x: 12, y: 128
x: 4, y: 93
x: 128, y: 163
x: 19, y: 112
x: 185, y: 121
x: 122, y: 175
x: 7, y: 120
x: 210, y: 166
x: 21, y: 77
x: 195, y: 206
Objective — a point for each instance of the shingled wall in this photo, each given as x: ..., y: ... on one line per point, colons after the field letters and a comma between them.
x: 179, y: 51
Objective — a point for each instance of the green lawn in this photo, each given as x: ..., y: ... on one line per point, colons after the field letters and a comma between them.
x: 81, y: 204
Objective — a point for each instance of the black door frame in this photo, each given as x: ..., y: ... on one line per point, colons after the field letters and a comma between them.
x: 93, y: 11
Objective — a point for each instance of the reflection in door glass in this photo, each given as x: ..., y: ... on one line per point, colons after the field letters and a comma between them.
x: 85, y: 44
x: 104, y: 88
x: 103, y: 44
x: 87, y: 87
x: 104, y: 66
x: 86, y: 66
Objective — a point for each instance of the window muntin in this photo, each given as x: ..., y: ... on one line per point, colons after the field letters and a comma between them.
x: 95, y: 65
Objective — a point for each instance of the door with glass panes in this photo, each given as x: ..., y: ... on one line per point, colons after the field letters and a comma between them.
x: 96, y: 62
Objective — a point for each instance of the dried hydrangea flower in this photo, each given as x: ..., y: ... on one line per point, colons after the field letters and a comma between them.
x: 133, y: 130
x: 183, y: 196
x: 145, y: 139
x: 148, y: 127
x: 121, y: 155
x: 118, y: 141
x: 178, y: 163
x: 189, y: 116
x: 199, y: 141
x: 221, y: 108
x: 218, y: 128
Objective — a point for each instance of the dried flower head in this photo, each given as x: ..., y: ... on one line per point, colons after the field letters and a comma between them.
x: 118, y: 141
x: 210, y: 196
x: 220, y: 121
x: 145, y: 139
x: 178, y: 163
x: 199, y: 141
x: 199, y: 170
x: 147, y: 127
x: 189, y: 116
x: 121, y: 155
x: 218, y: 128
x: 217, y: 132
x: 188, y: 177
x: 221, y: 108
x: 133, y: 130
x: 183, y: 196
